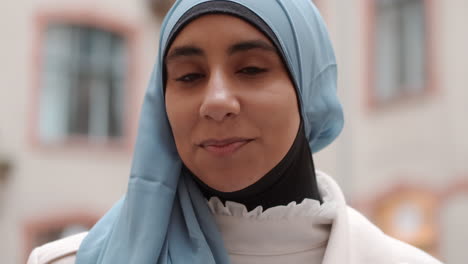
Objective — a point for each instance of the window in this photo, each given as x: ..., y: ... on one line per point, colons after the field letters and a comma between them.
x: 400, y: 49
x: 82, y: 73
x: 55, y: 233
x: 42, y: 230
x: 408, y: 213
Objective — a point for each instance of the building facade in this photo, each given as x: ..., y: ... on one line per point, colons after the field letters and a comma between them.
x: 74, y: 74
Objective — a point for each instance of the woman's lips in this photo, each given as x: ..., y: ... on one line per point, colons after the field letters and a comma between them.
x: 224, y: 147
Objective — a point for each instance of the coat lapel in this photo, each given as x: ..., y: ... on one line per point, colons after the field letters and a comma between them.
x: 338, y: 248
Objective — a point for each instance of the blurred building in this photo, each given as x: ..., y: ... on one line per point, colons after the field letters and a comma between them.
x: 402, y: 157
x: 74, y: 75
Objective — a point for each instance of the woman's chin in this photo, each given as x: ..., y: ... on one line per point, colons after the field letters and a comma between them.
x: 230, y: 178
x: 230, y: 184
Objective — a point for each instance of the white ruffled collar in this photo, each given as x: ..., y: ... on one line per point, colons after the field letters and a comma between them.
x: 277, y: 230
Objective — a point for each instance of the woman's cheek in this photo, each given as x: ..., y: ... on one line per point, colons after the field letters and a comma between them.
x: 176, y: 117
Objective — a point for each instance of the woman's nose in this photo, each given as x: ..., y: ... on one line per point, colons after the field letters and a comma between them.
x: 219, y: 102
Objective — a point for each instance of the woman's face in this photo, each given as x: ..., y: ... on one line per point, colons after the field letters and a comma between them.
x: 230, y: 102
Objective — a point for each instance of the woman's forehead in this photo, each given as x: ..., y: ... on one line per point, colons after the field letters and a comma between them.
x: 219, y: 29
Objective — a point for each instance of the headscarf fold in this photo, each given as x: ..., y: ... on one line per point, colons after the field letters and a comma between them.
x: 163, y: 218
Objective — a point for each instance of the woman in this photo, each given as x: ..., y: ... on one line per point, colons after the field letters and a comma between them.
x: 242, y: 94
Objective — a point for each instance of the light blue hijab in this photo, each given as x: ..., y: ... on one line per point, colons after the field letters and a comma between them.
x: 163, y: 218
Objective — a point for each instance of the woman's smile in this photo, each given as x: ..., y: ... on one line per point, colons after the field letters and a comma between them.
x: 224, y: 147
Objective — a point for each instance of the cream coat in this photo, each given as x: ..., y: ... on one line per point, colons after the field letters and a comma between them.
x: 353, y: 240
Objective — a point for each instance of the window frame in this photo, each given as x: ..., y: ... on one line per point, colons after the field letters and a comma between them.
x: 35, y: 225
x: 374, y: 205
x: 370, y: 75
x: 103, y: 22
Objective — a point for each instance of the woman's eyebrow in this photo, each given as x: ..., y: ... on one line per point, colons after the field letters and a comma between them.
x: 184, y: 51
x: 249, y: 45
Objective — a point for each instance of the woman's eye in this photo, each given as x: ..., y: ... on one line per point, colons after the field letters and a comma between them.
x: 252, y: 70
x: 191, y: 77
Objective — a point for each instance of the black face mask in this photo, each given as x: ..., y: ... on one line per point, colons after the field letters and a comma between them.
x: 293, y: 178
